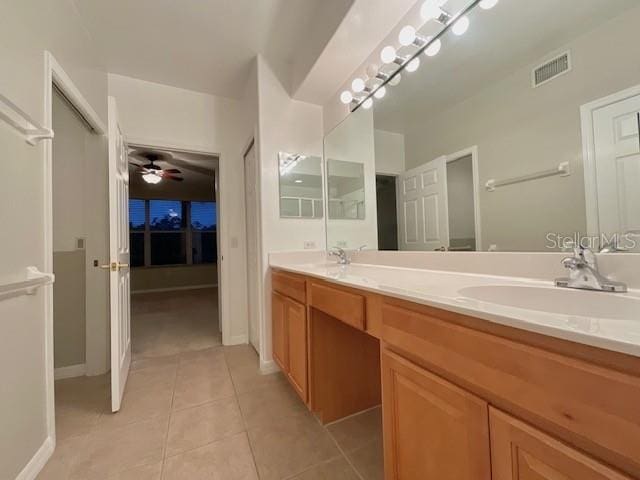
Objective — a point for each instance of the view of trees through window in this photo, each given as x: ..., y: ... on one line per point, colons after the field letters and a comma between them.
x: 172, y: 232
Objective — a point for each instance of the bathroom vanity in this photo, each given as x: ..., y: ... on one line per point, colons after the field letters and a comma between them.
x: 470, y: 389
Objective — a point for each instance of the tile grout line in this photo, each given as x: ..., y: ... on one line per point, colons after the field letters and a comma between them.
x: 340, y: 449
x: 166, y: 436
x: 244, y: 422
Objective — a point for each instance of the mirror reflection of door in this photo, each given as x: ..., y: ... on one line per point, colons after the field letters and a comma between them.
x: 616, y: 130
x: 436, y: 205
x: 422, y: 207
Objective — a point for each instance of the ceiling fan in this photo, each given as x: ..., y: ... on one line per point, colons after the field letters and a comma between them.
x: 152, y: 173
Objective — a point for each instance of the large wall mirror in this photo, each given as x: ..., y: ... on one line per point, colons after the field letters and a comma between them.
x: 523, y: 134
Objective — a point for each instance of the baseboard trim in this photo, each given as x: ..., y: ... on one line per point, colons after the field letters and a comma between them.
x: 71, y: 371
x: 268, y: 367
x: 238, y: 340
x: 175, y: 289
x: 38, y: 461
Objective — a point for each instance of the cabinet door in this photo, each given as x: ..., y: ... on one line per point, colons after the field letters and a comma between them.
x: 521, y: 452
x: 433, y: 430
x: 297, y: 337
x: 279, y: 331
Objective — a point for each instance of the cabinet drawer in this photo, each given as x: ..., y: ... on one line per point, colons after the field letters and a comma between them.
x: 592, y: 407
x: 289, y: 285
x: 345, y: 306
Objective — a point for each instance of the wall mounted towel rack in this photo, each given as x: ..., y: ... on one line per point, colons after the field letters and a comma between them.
x: 23, y: 123
x: 562, y: 170
x: 27, y: 286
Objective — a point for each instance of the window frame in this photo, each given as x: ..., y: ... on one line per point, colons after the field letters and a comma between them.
x: 187, y: 230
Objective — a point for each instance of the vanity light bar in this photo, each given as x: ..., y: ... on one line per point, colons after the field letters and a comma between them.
x: 430, y: 46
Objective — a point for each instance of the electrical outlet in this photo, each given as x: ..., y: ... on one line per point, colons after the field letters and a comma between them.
x: 309, y: 245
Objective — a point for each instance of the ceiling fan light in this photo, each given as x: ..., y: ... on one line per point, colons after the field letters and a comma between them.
x: 152, y: 178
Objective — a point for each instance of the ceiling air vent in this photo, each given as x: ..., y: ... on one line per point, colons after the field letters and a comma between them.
x: 551, y: 69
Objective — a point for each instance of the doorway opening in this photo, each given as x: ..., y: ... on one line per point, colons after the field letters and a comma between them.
x: 387, y: 212
x: 79, y: 234
x: 173, y: 213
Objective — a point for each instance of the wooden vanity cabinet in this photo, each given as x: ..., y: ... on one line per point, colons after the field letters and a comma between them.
x: 432, y: 429
x: 289, y: 331
x: 462, y: 398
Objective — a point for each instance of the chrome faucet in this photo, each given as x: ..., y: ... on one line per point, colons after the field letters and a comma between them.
x: 343, y: 257
x: 584, y: 274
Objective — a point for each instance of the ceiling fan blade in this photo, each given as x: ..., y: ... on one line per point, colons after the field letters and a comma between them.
x: 171, y: 170
x: 177, y: 179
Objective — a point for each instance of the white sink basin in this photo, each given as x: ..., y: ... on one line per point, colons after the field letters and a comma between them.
x: 558, y: 301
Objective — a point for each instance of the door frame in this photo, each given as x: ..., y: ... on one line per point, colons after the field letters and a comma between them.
x: 54, y: 73
x: 473, y: 151
x: 258, y: 286
x: 589, y: 152
x: 225, y: 321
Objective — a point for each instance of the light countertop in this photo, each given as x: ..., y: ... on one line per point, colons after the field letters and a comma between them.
x: 592, y: 318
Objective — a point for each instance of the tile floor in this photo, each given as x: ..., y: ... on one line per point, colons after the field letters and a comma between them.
x: 204, y: 414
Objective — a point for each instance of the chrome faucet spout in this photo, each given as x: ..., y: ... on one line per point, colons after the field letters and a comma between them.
x: 584, y: 274
x: 343, y: 258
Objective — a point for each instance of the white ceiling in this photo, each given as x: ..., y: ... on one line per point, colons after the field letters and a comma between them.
x: 207, y: 45
x: 512, y: 35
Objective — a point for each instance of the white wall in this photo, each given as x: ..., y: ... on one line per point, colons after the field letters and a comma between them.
x: 291, y: 126
x: 164, y: 116
x: 389, y: 147
x: 30, y: 27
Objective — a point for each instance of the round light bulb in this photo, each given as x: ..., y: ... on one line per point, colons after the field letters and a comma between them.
x: 407, y: 35
x: 372, y: 70
x: 388, y: 54
x: 461, y: 26
x: 367, y: 104
x: 488, y: 4
x: 380, y: 93
x: 413, y: 65
x: 433, y: 49
x: 357, y: 85
x: 346, y: 97
x: 395, y: 80
x: 430, y: 10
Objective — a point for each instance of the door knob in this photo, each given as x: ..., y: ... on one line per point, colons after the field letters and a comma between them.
x: 113, y: 266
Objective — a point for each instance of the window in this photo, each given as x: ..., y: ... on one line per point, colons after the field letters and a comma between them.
x: 203, y: 230
x: 172, y: 232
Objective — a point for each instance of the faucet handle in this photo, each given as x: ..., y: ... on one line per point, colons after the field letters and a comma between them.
x: 361, y: 247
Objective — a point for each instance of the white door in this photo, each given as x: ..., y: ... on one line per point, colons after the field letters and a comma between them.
x: 616, y: 131
x: 422, y: 207
x: 251, y: 218
x: 120, y: 288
